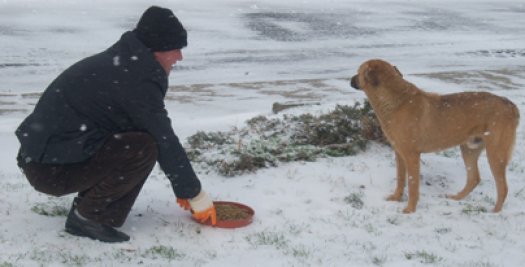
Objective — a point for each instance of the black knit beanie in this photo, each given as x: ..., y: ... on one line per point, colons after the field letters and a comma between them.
x: 159, y: 30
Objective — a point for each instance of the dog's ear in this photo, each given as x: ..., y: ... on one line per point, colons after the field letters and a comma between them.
x: 371, y: 76
x: 397, y: 70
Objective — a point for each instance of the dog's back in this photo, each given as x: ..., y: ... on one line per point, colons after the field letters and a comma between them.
x: 457, y: 118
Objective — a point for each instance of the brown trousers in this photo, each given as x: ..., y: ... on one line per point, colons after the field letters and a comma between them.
x: 107, y: 184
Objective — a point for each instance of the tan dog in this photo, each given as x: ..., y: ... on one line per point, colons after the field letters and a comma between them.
x: 417, y: 122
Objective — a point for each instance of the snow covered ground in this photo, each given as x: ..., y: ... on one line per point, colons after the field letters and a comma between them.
x: 242, y: 57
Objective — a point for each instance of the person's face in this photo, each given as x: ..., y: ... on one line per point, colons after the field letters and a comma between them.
x: 168, y: 58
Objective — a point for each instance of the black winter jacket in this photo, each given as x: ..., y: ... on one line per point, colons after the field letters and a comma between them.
x: 119, y: 90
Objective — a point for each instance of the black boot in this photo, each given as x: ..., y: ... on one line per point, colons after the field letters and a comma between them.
x: 78, y: 226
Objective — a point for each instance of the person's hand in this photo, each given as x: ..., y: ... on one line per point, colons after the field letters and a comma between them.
x: 202, y: 208
x: 184, y: 203
x: 209, y: 214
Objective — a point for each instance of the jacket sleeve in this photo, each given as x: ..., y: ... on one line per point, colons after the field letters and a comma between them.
x: 145, y: 106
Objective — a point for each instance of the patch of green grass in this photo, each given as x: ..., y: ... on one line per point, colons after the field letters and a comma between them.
x: 300, y: 252
x: 379, y: 260
x: 264, y: 142
x: 165, y: 252
x: 120, y: 255
x: 355, y: 200
x: 520, y: 194
x: 45, y: 257
x: 6, y: 264
x: 47, y: 209
x: 264, y: 238
x: 204, y: 140
x: 278, y: 241
x: 74, y: 260
x: 443, y: 230
x: 423, y: 256
x: 372, y: 229
x: 394, y: 220
x: 471, y: 209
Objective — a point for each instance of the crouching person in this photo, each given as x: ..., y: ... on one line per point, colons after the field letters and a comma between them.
x: 101, y: 126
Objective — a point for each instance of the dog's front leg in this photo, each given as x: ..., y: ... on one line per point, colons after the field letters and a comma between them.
x: 412, y: 165
x: 401, y: 178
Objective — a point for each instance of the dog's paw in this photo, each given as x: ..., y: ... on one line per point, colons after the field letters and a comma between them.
x: 409, y: 210
x: 394, y: 197
x: 454, y: 197
x: 497, y: 208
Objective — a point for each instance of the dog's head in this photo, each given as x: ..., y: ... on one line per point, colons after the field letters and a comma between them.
x: 373, y: 73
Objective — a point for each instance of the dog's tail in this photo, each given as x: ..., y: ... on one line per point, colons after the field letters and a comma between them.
x: 516, y: 115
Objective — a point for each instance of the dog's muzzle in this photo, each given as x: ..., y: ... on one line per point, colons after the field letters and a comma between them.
x: 354, y: 82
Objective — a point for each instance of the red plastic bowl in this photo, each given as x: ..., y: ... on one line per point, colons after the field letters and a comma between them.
x: 231, y: 223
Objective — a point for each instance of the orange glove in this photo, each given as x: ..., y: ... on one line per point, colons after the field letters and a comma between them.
x: 202, y: 208
x: 205, y: 215
x: 184, y: 203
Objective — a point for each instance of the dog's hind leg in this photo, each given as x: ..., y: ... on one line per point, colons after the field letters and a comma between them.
x: 470, y: 156
x: 499, y: 151
x: 401, y: 178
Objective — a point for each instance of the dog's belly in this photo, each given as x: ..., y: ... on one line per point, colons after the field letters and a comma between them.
x: 433, y: 147
x: 435, y: 141
x: 431, y: 135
